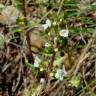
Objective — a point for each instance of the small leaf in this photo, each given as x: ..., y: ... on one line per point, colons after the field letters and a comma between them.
x: 75, y: 81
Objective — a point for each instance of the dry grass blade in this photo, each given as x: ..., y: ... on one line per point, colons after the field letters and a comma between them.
x: 83, y: 56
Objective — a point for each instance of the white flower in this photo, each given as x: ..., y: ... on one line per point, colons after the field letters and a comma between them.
x: 47, y: 24
x: 42, y: 80
x: 47, y: 44
x: 64, y: 32
x: 41, y: 69
x: 60, y: 73
x: 51, y: 74
x: 61, y: 20
x: 37, y: 61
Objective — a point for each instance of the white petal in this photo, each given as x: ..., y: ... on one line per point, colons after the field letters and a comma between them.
x: 47, y: 44
x: 60, y: 73
x: 64, y: 33
x: 42, y: 80
x: 48, y: 22
x: 37, y: 61
x: 45, y: 26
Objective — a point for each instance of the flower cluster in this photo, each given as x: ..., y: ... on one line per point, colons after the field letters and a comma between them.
x: 60, y: 74
x: 47, y: 24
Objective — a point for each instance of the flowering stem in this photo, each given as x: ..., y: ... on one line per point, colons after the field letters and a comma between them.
x: 50, y: 66
x: 24, y: 11
x: 27, y: 33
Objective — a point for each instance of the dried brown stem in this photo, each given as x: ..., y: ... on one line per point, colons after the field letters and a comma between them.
x: 24, y: 11
x: 51, y: 62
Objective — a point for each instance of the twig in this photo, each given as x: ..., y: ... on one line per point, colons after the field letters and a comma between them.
x: 54, y: 86
x: 82, y: 38
x: 84, y: 88
x: 60, y: 7
x: 24, y: 11
x: 95, y: 69
x: 69, y: 54
x: 52, y: 61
